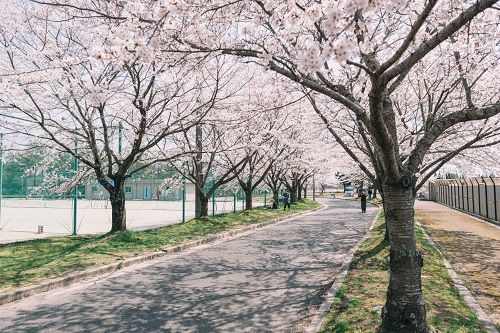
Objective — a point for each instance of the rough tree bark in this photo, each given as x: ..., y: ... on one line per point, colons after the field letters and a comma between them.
x: 202, y: 203
x: 404, y: 310
x: 118, y: 212
x: 248, y: 198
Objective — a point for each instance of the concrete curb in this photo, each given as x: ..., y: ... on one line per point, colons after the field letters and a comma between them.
x: 329, y: 296
x: 17, y: 294
x: 471, y: 301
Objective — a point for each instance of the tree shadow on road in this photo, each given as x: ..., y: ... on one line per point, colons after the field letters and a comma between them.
x: 261, y: 282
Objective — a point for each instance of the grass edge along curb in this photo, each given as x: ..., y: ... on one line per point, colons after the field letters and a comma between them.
x: 359, y: 300
x: 330, y: 295
x: 66, y: 280
x: 471, y: 301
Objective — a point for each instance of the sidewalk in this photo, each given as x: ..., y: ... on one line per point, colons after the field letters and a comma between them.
x: 472, y: 246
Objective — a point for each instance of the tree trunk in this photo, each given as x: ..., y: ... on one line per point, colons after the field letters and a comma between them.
x: 197, y: 205
x: 204, y: 205
x: 201, y: 203
x: 404, y: 310
x: 248, y: 198
x: 386, y: 236
x: 293, y: 191
x: 118, y: 213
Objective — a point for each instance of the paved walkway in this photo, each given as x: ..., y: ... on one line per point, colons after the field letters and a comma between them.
x: 264, y: 281
x: 473, y: 248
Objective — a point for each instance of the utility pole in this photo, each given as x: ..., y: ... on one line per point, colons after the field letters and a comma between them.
x: 75, y: 190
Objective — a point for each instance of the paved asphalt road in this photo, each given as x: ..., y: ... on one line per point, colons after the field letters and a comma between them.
x: 264, y: 281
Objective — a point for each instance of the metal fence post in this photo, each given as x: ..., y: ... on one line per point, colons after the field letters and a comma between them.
x: 183, y: 199
x: 1, y: 174
x: 213, y: 198
x: 234, y: 202
x: 448, y: 193
x: 478, y: 195
x: 495, y: 198
x: 452, y: 193
x: 467, y: 198
x: 457, y: 196
x: 486, y: 197
x: 75, y: 190
x: 463, y: 196
x: 472, y: 195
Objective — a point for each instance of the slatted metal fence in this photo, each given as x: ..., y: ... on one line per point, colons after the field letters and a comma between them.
x: 478, y: 196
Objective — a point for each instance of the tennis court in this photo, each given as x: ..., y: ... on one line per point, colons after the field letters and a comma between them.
x: 23, y: 219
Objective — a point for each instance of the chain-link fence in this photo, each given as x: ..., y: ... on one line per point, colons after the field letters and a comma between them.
x: 28, y: 210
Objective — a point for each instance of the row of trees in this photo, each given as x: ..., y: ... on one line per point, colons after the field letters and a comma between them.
x: 402, y: 88
x: 212, y: 119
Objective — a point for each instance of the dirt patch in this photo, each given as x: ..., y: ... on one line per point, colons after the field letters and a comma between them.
x: 473, y: 248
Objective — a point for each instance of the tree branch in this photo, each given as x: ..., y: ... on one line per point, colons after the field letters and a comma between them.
x: 466, y: 16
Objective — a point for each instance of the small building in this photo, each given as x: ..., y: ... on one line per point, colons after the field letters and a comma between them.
x: 143, y: 189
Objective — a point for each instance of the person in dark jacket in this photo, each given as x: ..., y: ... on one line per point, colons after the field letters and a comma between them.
x: 363, y: 202
x: 286, y: 199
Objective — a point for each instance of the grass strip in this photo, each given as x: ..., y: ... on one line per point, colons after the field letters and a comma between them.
x: 358, y: 302
x: 29, y: 262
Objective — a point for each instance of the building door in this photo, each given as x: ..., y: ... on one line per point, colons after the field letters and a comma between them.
x: 147, y: 193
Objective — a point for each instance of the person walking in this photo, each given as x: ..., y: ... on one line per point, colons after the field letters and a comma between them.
x: 286, y: 199
x: 363, y: 201
x: 370, y: 192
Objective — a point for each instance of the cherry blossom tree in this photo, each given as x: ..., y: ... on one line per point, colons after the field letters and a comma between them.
x: 376, y: 59
x: 359, y: 53
x: 115, y: 116
x: 267, y: 132
x: 205, y: 146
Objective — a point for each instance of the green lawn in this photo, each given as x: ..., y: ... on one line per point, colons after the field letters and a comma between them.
x: 359, y: 301
x: 29, y: 262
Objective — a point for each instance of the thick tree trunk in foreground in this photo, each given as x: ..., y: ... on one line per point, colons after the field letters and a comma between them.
x: 118, y: 213
x: 404, y: 310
